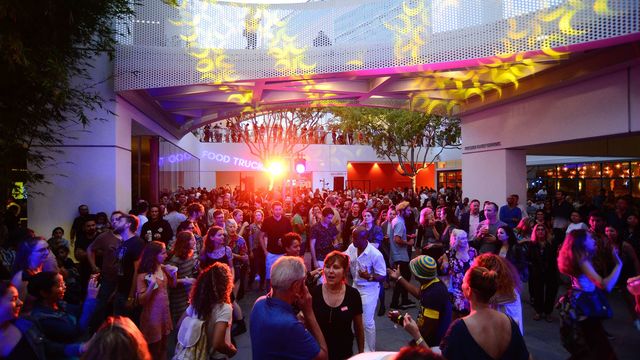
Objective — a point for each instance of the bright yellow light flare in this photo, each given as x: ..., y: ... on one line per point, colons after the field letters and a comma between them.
x: 276, y: 168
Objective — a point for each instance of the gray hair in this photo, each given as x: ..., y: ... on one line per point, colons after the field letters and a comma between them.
x: 285, y: 271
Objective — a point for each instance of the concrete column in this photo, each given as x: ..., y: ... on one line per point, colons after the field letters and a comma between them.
x: 98, y: 175
x: 492, y: 175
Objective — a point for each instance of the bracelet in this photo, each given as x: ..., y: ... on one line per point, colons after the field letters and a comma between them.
x: 419, y: 341
x: 399, y: 277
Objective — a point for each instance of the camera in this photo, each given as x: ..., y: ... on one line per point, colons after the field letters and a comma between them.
x: 396, y: 317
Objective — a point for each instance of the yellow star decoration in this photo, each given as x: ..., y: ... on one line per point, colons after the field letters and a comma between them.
x: 409, y: 30
x: 289, y: 58
x: 212, y: 64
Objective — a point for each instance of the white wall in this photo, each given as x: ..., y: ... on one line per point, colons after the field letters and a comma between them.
x: 591, y: 108
x: 325, y: 161
x: 601, y: 106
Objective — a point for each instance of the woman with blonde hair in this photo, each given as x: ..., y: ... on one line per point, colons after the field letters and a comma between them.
x: 507, y: 296
x: 455, y: 262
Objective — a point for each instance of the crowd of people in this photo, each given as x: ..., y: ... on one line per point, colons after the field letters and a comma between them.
x: 164, y: 280
x: 320, y: 134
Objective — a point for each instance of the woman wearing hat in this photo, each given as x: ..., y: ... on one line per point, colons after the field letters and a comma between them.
x: 435, y: 308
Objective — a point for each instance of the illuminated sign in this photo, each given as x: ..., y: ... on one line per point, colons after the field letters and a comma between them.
x: 227, y: 159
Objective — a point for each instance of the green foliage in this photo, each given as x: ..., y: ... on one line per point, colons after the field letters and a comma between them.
x: 47, y: 49
x: 410, y: 139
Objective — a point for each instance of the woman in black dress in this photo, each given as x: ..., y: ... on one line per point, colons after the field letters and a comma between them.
x: 337, y: 306
x: 486, y: 333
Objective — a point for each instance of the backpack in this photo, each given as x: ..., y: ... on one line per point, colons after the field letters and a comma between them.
x: 192, y: 339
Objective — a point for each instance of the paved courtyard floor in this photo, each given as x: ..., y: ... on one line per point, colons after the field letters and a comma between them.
x: 542, y: 338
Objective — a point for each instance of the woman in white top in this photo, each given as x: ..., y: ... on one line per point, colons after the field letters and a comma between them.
x: 210, y: 307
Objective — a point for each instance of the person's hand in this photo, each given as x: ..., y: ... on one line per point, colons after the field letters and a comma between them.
x: 411, y: 327
x: 93, y: 288
x: 95, y: 270
x: 364, y: 274
x: 316, y: 272
x: 633, y: 285
x: 393, y: 274
x: 304, y: 300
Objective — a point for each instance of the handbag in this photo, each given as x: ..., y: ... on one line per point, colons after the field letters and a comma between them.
x: 192, y: 339
x: 593, y: 304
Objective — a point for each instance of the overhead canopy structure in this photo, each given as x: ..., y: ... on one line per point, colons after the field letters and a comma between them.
x: 204, y: 61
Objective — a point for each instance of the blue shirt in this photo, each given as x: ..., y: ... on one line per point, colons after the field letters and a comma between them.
x: 510, y: 216
x: 276, y: 333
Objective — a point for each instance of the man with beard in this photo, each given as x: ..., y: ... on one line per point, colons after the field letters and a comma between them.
x: 157, y: 228
x: 85, y: 238
x: 127, y: 258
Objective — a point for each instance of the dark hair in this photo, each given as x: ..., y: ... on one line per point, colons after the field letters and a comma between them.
x: 511, y: 236
x: 289, y: 238
x: 118, y: 338
x: 339, y: 257
x: 475, y: 200
x: 596, y: 214
x: 42, y: 281
x: 276, y: 203
x: 57, y: 228
x: 149, y: 258
x: 360, y: 232
x: 213, y: 286
x: 417, y: 353
x: 327, y: 211
x: 195, y: 207
x: 25, y: 248
x: 181, y: 247
x: 483, y: 282
x: 83, y: 205
x: 208, y: 243
x: 102, y: 215
x: 142, y: 206
x: 217, y: 213
x: 495, y: 206
x: 4, y: 287
x: 450, y: 217
x: 572, y: 252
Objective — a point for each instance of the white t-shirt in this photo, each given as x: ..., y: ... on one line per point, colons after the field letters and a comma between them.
x: 220, y: 313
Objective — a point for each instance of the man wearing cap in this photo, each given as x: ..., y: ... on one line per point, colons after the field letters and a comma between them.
x: 435, y: 308
x: 399, y: 255
x: 367, y: 270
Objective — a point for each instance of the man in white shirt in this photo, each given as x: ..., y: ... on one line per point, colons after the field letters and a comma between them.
x: 368, y: 269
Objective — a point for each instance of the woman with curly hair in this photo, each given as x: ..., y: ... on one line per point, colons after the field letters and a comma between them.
x: 152, y: 282
x: 543, y: 271
x: 507, y: 296
x: 575, y: 260
x: 210, y: 308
